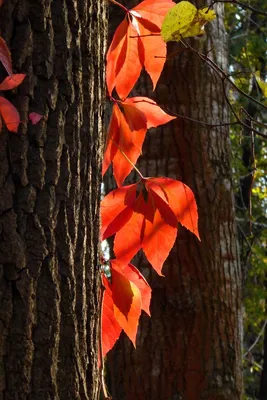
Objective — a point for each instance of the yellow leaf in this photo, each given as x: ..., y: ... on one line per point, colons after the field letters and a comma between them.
x: 261, y: 83
x: 185, y: 20
x: 206, y: 14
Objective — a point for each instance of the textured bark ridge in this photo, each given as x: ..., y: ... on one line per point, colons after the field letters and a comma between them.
x: 49, y: 201
x: 190, y: 349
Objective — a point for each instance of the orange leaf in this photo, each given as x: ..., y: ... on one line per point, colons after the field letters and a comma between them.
x: 128, y: 239
x: 116, y: 55
x: 125, y: 141
x: 180, y: 199
x: 132, y: 63
x: 155, y: 52
x: 152, y: 216
x: 127, y: 132
x: 160, y: 230
x: 113, y: 138
x: 158, y: 240
x: 110, y: 327
x: 127, y: 302
x: 153, y: 13
x: 130, y: 50
x: 113, y: 208
x: 12, y: 81
x: 135, y: 276
x: 158, y: 8
x: 135, y: 117
x: 5, y: 56
x: 137, y: 122
x: 9, y: 114
x: 152, y: 227
x: 155, y: 116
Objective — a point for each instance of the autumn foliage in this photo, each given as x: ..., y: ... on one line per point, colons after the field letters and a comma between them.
x: 9, y: 113
x: 145, y: 215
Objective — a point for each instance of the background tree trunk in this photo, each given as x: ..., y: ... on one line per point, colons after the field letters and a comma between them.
x: 190, y: 349
x: 49, y: 203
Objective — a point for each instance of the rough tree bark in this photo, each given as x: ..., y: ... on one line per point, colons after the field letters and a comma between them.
x: 190, y: 349
x: 49, y: 202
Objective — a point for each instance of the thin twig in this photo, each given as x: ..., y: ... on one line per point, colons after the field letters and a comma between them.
x: 256, y: 224
x: 238, y: 3
x: 132, y: 164
x: 253, y: 119
x: 149, y: 34
x: 238, y: 122
x: 257, y: 339
x: 219, y: 71
x: 202, y: 122
x: 119, y: 5
x: 254, y: 363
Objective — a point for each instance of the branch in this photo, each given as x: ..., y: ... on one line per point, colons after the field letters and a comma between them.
x: 221, y: 73
x: 238, y: 122
x: 225, y: 77
x: 257, y: 224
x: 257, y: 339
x: 238, y: 3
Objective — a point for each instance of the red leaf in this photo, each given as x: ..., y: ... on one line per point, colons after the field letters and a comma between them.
x: 123, y: 300
x: 131, y: 60
x: 160, y: 230
x: 128, y: 239
x: 12, y: 81
x: 158, y: 7
x: 155, y: 52
x: 113, y: 207
x: 9, y: 114
x: 123, y: 139
x: 155, y: 116
x: 5, y: 56
x: 110, y: 327
x: 35, y: 117
x: 127, y: 132
x: 180, y: 199
x: 152, y: 225
x: 128, y: 53
x: 134, y: 117
x: 113, y: 138
x: 137, y: 122
x: 116, y: 55
x: 135, y: 276
x: 158, y: 240
x: 127, y: 302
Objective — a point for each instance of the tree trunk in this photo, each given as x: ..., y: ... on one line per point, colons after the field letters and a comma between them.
x: 49, y: 205
x: 190, y: 349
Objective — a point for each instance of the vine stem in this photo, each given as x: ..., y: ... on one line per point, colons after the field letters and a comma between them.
x: 132, y: 164
x: 102, y: 378
x: 221, y: 73
x: 119, y: 5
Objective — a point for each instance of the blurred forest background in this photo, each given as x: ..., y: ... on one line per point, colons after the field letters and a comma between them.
x: 247, y: 34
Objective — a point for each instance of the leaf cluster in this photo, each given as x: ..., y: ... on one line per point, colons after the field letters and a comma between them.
x: 143, y: 216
